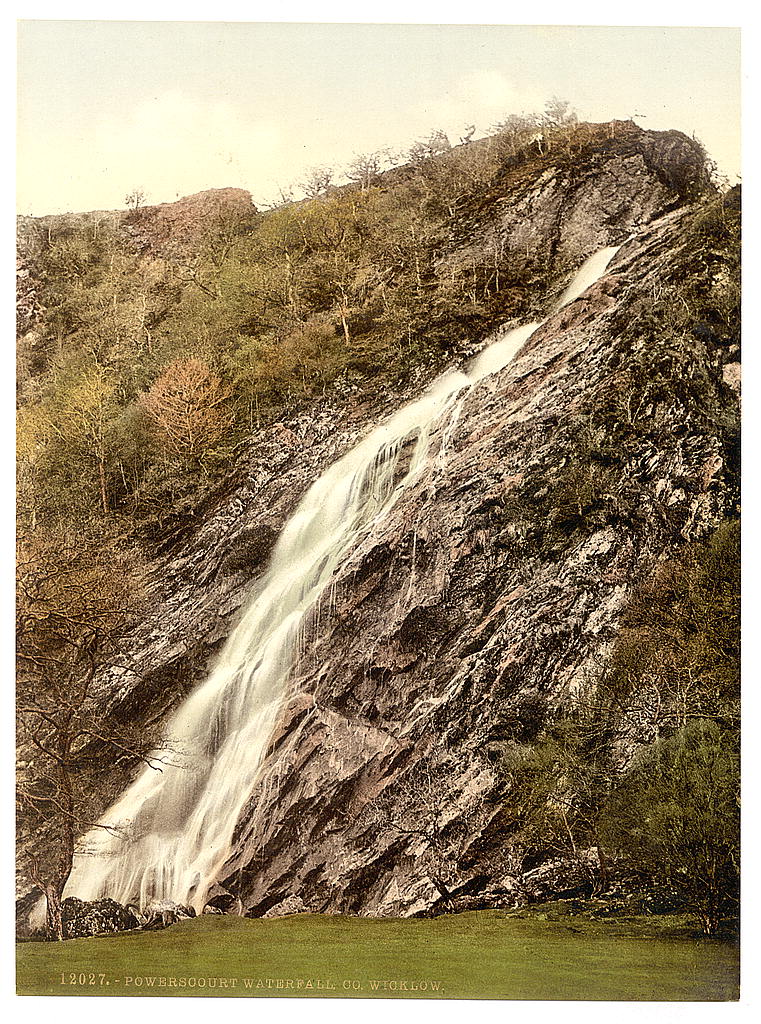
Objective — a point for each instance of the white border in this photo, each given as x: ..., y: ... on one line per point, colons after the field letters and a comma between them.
x: 650, y: 13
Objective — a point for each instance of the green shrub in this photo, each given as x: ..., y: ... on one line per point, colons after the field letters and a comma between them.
x: 675, y: 817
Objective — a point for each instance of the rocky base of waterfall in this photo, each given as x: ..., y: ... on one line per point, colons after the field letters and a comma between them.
x: 581, y: 883
x: 84, y: 918
x: 567, y: 878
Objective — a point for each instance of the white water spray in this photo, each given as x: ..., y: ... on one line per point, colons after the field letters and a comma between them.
x: 174, y: 829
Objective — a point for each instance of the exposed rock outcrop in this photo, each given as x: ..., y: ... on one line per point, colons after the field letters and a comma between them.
x: 162, y: 913
x: 170, y: 228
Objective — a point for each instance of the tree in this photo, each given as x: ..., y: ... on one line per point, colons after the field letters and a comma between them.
x: 317, y: 181
x: 558, y: 112
x: 512, y: 132
x: 278, y: 248
x: 676, y: 817
x: 187, y: 412
x: 77, y: 596
x: 65, y: 441
x: 420, y: 809
x: 676, y: 658
x: 367, y: 166
x: 436, y: 144
x: 30, y: 446
x: 554, y: 784
x: 202, y: 260
x: 221, y: 230
x: 134, y: 199
x: 269, y: 372
x: 514, y: 124
x: 82, y: 422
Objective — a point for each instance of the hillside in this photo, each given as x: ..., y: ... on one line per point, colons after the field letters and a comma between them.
x: 544, y: 597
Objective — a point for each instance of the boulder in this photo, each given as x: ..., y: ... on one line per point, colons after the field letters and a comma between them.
x: 162, y: 913
x: 98, y: 917
x: 222, y: 901
x: 285, y: 908
x: 563, y: 878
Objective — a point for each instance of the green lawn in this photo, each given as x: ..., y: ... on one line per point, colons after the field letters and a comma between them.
x: 480, y: 955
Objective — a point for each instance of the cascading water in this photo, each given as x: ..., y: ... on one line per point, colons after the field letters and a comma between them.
x: 170, y: 833
x: 589, y: 272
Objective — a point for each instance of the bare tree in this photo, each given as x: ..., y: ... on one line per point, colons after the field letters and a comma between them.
x: 221, y: 230
x: 366, y: 166
x: 421, y: 808
x: 559, y: 112
x: 317, y: 181
x: 436, y: 144
x: 75, y: 601
x: 134, y: 199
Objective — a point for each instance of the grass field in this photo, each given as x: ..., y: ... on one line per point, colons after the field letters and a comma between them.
x: 479, y: 955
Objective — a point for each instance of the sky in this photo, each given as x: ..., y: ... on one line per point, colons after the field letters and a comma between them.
x: 176, y: 107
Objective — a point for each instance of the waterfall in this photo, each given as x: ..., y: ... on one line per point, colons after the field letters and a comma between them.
x: 589, y: 272
x: 170, y: 833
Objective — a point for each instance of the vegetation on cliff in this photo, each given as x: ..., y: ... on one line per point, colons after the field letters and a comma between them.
x: 355, y: 290
x: 670, y: 815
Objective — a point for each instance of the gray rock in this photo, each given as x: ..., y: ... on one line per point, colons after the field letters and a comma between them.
x: 285, y: 908
x: 98, y: 917
x: 162, y: 913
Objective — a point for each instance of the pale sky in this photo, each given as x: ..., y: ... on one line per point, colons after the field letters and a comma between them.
x: 176, y: 107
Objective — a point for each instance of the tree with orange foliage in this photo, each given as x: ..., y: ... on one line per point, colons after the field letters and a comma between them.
x: 187, y: 412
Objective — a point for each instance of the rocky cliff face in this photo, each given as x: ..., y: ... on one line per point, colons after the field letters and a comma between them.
x: 463, y: 620
x: 490, y: 595
x: 563, y: 210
